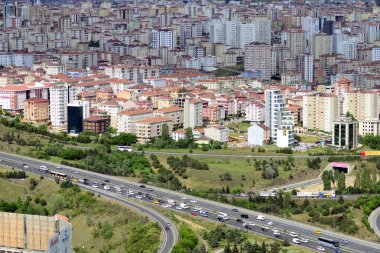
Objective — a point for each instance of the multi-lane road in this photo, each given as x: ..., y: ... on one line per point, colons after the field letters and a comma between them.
x: 170, y: 233
x: 285, y: 226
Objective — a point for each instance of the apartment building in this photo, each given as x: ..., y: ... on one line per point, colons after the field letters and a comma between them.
x: 217, y: 133
x: 258, y: 57
x: 127, y: 119
x: 12, y: 97
x: 363, y: 105
x: 152, y: 127
x: 96, y: 124
x: 213, y: 114
x: 59, y: 98
x: 174, y: 113
x: 255, y: 112
x: 193, y: 111
x: 319, y: 111
x: 36, y: 110
x: 274, y: 104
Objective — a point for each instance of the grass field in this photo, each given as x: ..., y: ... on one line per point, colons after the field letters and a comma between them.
x: 309, y: 138
x: 129, y: 226
x: 237, y: 167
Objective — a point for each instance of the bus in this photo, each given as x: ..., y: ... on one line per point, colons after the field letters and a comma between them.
x: 58, y: 175
x: 329, y: 243
x: 125, y: 148
x: 43, y: 169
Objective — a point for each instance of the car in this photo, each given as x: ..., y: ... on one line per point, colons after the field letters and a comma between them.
x: 244, y: 215
x: 193, y: 201
x: 156, y: 202
x: 167, y: 228
x: 25, y: 165
x: 107, y: 187
x: 138, y: 196
x: 235, y: 210
x: 106, y: 180
x: 264, y: 227
x: 270, y: 223
x: 149, y: 189
x: 239, y: 220
x: 318, y: 232
x: 58, y: 168
x: 260, y: 217
x: 292, y: 234
x: 304, y: 240
x: 81, y: 180
x: 203, y: 214
x: 76, y: 172
x: 320, y: 248
x: 296, y: 241
x: 183, y: 198
x: 344, y: 241
x: 166, y: 205
x: 95, y: 185
x: 247, y: 226
x: 252, y: 224
x: 179, y: 208
x: 142, y: 186
x: 220, y: 219
x: 194, y: 213
x: 277, y: 234
x: 275, y: 230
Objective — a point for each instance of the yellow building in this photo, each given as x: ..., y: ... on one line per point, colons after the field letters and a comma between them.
x: 319, y: 111
x: 36, y: 110
x: 363, y: 105
x: 34, y: 233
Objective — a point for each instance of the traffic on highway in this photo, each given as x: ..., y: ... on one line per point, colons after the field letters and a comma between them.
x: 267, y: 225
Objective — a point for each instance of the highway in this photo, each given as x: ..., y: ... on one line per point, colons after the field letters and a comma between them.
x: 285, y: 226
x: 374, y: 221
x: 170, y: 235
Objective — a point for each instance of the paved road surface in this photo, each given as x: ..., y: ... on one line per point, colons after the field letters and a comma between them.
x: 374, y: 220
x: 284, y: 225
x: 170, y: 236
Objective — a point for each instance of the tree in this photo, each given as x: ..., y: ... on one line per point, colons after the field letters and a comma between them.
x: 270, y: 172
x: 341, y: 182
x: 32, y: 184
x: 165, y: 131
x: 189, y: 134
x: 326, y: 178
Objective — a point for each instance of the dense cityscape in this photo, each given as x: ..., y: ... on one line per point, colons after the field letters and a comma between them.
x: 190, y: 126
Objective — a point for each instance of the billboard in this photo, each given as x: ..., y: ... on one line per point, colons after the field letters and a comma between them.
x: 370, y: 153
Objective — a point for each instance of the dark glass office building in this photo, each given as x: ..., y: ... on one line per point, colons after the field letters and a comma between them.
x: 74, y: 118
x: 345, y: 133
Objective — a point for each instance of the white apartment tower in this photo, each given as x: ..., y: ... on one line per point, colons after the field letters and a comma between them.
x: 163, y: 37
x: 274, y: 104
x: 59, y: 97
x: 192, y: 114
x: 306, y: 67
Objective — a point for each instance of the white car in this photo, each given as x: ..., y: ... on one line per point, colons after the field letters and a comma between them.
x: 275, y: 230
x: 252, y: 224
x: 296, y: 241
x: 107, y: 187
x: 265, y: 227
x: 166, y: 205
x: 304, y: 240
x: 276, y: 233
x: 179, y: 208
x: 183, y: 198
x: 138, y: 197
x: 95, y: 185
x: 81, y: 180
x: 260, y: 217
x: 76, y: 172
x: 270, y: 223
x: 292, y: 234
x: 320, y: 248
x: 193, y: 201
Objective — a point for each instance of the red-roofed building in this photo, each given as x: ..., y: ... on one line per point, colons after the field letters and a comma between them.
x: 174, y: 113
x: 98, y: 125
x: 152, y: 127
x: 127, y: 119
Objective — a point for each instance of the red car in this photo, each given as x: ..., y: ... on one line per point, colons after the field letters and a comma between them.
x: 194, y: 213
